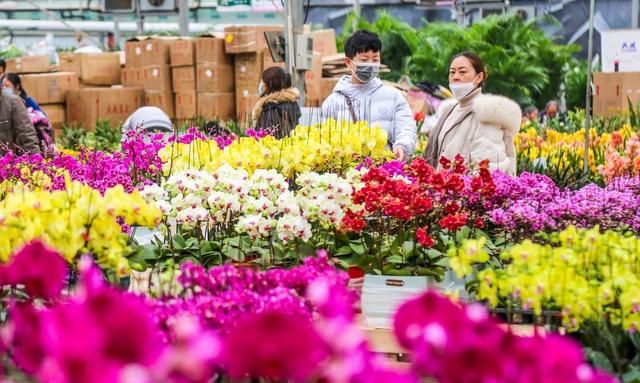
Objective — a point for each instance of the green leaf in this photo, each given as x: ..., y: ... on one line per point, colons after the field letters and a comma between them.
x: 357, y: 248
x: 632, y: 376
x: 394, y: 259
x: 598, y: 359
x: 408, y: 248
x: 179, y: 242
x: 137, y: 263
x: 343, y: 250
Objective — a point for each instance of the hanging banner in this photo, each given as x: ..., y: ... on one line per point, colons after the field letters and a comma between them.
x: 620, y: 50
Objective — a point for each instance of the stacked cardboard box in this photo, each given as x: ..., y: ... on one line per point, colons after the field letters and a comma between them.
x: 28, y: 64
x: 252, y: 56
x: 614, y: 91
x: 215, y: 82
x: 50, y: 91
x: 85, y: 106
x: 147, y: 66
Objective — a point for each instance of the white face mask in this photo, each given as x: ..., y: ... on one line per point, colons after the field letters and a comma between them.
x: 8, y: 91
x: 461, y: 90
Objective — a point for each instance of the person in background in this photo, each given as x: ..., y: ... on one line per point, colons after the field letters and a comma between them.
x: 531, y: 113
x: 17, y: 135
x: 361, y: 96
x: 477, y: 126
x: 550, y: 113
x: 3, y: 67
x: 12, y: 84
x: 277, y: 110
x: 149, y: 120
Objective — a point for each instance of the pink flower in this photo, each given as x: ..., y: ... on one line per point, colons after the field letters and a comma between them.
x: 41, y: 270
x: 274, y: 345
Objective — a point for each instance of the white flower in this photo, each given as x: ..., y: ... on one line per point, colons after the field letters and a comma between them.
x: 154, y: 193
x: 256, y: 226
x: 287, y: 203
x: 292, y: 226
x: 263, y: 206
x: 191, y: 216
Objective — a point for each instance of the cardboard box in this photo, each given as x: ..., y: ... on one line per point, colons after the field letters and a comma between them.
x: 70, y: 62
x: 156, y: 51
x: 163, y: 100
x: 101, y: 68
x: 211, y: 49
x: 56, y: 115
x: 214, y: 78
x: 327, y: 85
x: 85, y: 106
x: 182, y: 52
x: 244, y: 39
x: 246, y: 100
x: 248, y: 70
x: 158, y: 78
x: 184, y: 78
x: 313, y: 78
x: 133, y: 77
x: 324, y: 41
x: 28, y: 64
x: 613, y: 90
x: 216, y: 106
x: 50, y: 88
x: 133, y: 54
x: 186, y: 105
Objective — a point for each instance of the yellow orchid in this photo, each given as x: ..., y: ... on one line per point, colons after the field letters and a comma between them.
x: 585, y: 274
x: 74, y: 221
x: 333, y: 145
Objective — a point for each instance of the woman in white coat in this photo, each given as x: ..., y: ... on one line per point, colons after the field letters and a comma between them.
x: 477, y: 126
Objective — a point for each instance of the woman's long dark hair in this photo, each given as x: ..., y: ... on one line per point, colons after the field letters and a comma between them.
x: 275, y: 79
x: 17, y: 84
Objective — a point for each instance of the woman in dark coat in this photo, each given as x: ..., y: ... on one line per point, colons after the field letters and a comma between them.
x: 277, y: 110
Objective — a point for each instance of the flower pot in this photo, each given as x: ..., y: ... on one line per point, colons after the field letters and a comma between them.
x: 383, y: 294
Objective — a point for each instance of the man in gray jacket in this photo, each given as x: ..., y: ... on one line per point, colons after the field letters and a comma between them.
x: 17, y: 135
x: 361, y: 96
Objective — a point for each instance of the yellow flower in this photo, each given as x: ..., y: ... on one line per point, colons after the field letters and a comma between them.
x: 331, y: 146
x: 586, y: 274
x: 74, y: 221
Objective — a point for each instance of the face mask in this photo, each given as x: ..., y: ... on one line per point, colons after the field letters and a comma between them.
x: 260, y: 89
x: 461, y: 90
x: 364, y: 72
x: 8, y: 91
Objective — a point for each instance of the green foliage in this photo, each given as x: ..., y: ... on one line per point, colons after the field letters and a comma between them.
x: 72, y: 138
x: 103, y: 137
x: 576, y: 84
x: 523, y: 63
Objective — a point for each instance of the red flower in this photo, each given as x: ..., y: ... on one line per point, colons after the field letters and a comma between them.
x: 445, y: 163
x: 419, y: 117
x: 353, y: 222
x: 452, y: 207
x: 479, y: 223
x: 421, y: 205
x: 453, y: 222
x: 454, y: 183
x: 476, y: 184
x: 458, y: 163
x: 424, y: 239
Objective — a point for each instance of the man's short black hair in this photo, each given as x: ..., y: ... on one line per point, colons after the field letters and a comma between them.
x: 3, y: 65
x: 360, y: 42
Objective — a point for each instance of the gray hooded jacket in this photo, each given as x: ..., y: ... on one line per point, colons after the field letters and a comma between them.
x: 379, y: 105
